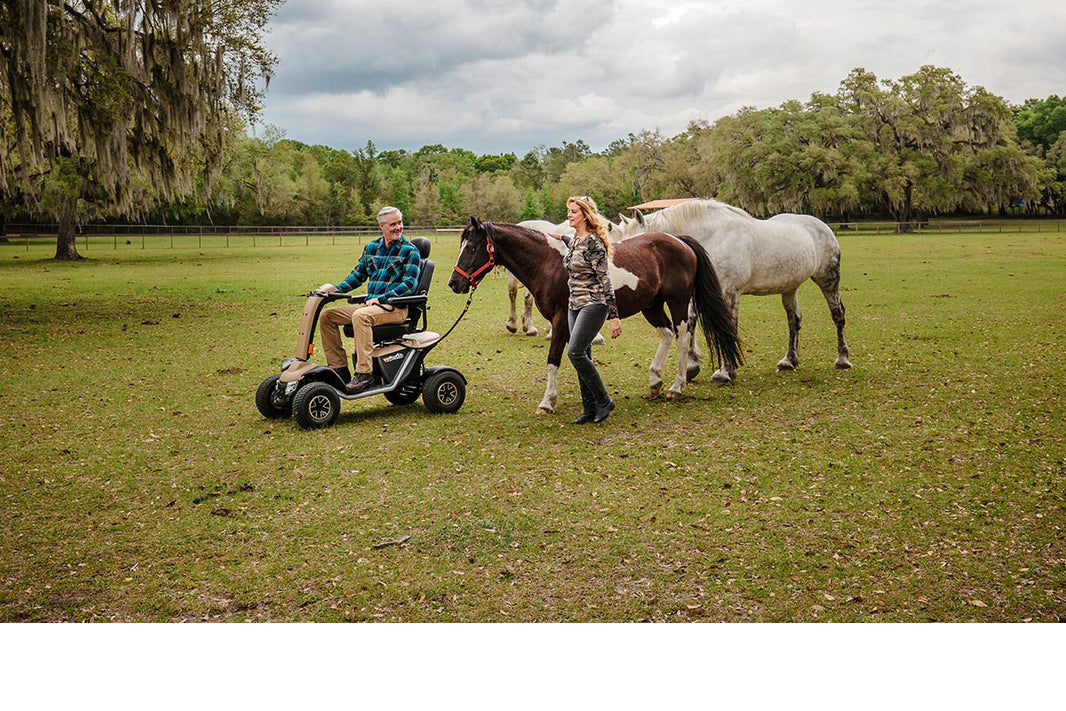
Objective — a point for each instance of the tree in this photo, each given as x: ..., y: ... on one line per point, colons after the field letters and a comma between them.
x: 115, y: 106
x: 1041, y: 121
x: 925, y: 133
x: 493, y: 197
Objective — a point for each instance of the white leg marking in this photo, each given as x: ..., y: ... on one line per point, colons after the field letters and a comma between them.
x: 551, y: 392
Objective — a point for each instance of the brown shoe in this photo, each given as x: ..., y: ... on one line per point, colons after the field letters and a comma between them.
x: 359, y: 383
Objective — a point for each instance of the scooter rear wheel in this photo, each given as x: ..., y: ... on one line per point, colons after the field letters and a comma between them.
x: 444, y: 393
x: 315, y: 406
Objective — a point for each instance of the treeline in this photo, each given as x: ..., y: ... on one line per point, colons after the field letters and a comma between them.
x: 922, y: 146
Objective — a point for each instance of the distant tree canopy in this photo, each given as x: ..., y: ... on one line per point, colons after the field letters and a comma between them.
x: 115, y: 107
x: 920, y: 146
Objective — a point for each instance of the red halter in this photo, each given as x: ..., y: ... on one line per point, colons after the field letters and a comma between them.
x: 479, y: 273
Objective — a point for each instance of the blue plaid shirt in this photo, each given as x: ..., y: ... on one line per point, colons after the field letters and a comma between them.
x: 388, y: 271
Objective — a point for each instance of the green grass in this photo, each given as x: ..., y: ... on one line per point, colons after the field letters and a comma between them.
x: 926, y: 483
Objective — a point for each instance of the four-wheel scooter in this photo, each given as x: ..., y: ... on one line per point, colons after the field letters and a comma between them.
x: 312, y: 394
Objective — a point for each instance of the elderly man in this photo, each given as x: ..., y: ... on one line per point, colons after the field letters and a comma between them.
x: 389, y: 265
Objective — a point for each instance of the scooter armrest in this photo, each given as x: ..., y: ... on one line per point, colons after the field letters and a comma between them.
x: 408, y: 300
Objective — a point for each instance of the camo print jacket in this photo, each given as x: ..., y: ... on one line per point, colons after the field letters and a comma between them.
x: 590, y: 282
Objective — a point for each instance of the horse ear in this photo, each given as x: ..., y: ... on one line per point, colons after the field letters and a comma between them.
x: 475, y: 223
x: 640, y: 218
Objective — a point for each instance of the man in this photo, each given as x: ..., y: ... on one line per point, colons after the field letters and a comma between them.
x: 389, y: 265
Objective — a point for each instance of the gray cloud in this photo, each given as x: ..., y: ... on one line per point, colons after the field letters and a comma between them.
x: 508, y: 75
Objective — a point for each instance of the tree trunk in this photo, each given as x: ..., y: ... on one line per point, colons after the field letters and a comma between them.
x: 66, y: 241
x: 904, y: 214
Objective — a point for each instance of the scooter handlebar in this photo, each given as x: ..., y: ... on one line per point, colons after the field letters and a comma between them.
x: 336, y: 296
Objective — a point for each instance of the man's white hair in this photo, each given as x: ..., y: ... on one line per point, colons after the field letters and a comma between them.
x: 388, y: 210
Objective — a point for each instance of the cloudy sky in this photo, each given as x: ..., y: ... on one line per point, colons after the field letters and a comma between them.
x: 497, y: 76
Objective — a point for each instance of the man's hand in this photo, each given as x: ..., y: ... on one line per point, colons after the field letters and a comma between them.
x: 372, y: 302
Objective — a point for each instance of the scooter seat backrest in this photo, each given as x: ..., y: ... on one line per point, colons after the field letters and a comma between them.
x: 425, y: 276
x: 423, y: 245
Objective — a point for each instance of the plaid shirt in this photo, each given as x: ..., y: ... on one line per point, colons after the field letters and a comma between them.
x: 388, y: 271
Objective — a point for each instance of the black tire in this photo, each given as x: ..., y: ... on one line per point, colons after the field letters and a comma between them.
x: 444, y: 392
x: 315, y: 406
x: 406, y: 393
x: 270, y: 406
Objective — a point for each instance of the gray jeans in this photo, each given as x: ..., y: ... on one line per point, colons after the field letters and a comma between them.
x: 585, y: 323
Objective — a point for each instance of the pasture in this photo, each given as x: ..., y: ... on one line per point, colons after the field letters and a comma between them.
x: 926, y: 484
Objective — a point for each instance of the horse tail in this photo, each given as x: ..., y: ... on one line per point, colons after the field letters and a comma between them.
x: 712, y: 311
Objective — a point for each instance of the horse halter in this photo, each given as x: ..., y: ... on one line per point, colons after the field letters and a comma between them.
x: 478, y: 274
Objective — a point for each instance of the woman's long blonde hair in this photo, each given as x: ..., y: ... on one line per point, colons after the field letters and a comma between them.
x: 596, y: 221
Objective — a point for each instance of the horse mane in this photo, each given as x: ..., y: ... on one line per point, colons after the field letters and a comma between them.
x: 694, y: 210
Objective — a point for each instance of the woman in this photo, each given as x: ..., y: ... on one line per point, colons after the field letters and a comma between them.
x: 591, y: 301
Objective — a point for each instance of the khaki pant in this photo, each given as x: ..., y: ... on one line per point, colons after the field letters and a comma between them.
x: 363, y: 319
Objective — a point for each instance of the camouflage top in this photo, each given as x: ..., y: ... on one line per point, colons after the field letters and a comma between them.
x: 590, y: 282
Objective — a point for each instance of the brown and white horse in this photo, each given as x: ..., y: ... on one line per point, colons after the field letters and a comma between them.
x: 650, y: 274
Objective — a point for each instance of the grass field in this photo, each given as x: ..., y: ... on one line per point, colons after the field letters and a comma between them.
x: 139, y: 482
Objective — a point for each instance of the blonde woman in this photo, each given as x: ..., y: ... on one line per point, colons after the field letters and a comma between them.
x: 591, y: 301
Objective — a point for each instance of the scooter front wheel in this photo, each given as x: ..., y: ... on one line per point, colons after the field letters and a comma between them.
x: 269, y: 403
x: 315, y: 406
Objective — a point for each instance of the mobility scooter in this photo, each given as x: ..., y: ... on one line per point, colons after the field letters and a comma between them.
x: 312, y: 394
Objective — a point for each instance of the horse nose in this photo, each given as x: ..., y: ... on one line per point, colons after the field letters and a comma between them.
x: 457, y: 285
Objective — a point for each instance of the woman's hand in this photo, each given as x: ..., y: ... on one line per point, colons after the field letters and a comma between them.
x: 616, y: 328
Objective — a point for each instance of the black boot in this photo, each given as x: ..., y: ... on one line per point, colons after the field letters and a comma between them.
x: 602, y: 411
x: 588, y: 402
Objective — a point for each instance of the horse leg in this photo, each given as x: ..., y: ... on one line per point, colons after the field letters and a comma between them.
x: 836, y: 309
x: 512, y: 292
x: 683, y: 338
x: 527, y: 316
x: 728, y: 370
x: 655, y: 371
x: 792, y: 312
x: 560, y: 335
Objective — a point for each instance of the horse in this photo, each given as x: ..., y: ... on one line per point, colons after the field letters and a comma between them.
x: 648, y: 272
x: 760, y: 257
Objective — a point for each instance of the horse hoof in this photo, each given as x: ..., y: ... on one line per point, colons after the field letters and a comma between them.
x: 598, y: 340
x: 691, y: 373
x: 542, y: 411
x: 509, y: 327
x: 654, y: 392
x: 785, y: 365
x: 843, y: 364
x: 672, y: 395
x: 721, y: 377
x: 531, y: 332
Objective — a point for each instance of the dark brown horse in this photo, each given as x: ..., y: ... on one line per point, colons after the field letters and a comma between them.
x: 649, y: 272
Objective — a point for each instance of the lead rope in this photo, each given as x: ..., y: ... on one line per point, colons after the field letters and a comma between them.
x: 465, y: 309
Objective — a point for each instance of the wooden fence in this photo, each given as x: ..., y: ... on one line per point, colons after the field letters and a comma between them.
x: 206, y: 236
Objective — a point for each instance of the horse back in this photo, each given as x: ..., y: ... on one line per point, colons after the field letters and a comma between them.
x: 653, y: 254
